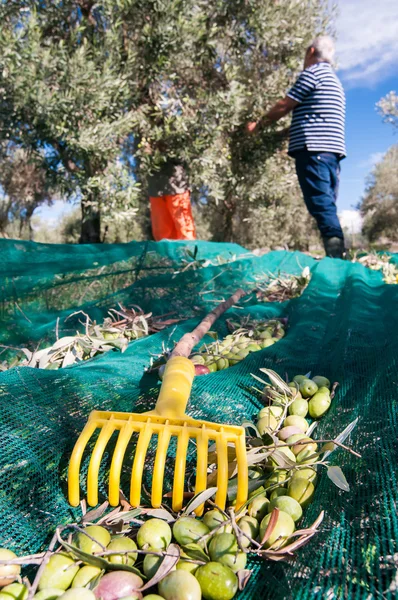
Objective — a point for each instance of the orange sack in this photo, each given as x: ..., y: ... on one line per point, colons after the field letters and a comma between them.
x: 171, y: 217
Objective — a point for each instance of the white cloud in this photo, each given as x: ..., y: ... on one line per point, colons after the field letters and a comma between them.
x: 351, y: 220
x: 372, y: 160
x: 367, y: 40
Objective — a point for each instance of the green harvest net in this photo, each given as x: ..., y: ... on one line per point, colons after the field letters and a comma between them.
x: 344, y: 326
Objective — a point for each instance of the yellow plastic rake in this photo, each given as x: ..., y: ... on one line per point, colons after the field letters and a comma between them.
x: 167, y: 420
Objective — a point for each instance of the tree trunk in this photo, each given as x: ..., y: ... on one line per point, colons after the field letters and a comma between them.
x: 91, y: 224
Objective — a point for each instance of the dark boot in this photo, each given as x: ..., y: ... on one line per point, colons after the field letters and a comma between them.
x: 334, y: 247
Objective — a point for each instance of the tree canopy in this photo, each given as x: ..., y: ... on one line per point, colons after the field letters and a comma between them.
x: 100, y: 93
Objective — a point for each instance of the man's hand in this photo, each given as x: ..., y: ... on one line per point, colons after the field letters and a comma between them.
x: 251, y: 128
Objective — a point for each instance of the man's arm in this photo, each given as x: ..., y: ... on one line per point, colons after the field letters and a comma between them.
x: 279, y: 110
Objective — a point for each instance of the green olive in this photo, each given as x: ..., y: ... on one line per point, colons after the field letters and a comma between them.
x: 222, y: 364
x: 296, y: 421
x: 224, y: 548
x: 84, y: 575
x: 284, y: 450
x: 306, y: 456
x: 122, y: 544
x: 299, y: 379
x: 280, y: 491
x: 49, y: 594
x: 298, y: 407
x: 258, y: 507
x: 59, y: 572
x: 276, y: 478
x: 289, y: 505
x: 217, y: 581
x: 14, y: 591
x: 267, y: 424
x: 187, y: 530
x: 321, y: 381
x: 180, y: 585
x: 213, y: 518
x: 155, y: 534
x: 78, y: 594
x: 308, y: 473
x: 308, y: 388
x: 8, y: 573
x: 284, y: 527
x: 101, y: 538
x: 318, y: 405
x: 301, y: 490
x: 249, y: 526
x: 151, y: 564
x: 297, y: 448
x: 275, y: 411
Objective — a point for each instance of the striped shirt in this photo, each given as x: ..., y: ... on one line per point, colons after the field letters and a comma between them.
x: 318, y: 122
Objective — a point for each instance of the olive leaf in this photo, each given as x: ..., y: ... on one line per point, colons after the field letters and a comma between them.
x: 343, y: 435
x: 195, y: 552
x: 277, y: 381
x: 197, y: 500
x: 168, y: 563
x: 271, y: 526
x: 233, y: 487
x: 95, y: 514
x: 336, y: 475
x: 92, y: 584
x: 243, y: 577
x: 249, y: 425
x: 161, y: 513
x: 97, y: 561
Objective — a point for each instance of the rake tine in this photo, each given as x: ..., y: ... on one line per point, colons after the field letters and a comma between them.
x: 222, y: 469
x: 95, y: 461
x: 179, y: 469
x: 117, y: 462
x: 76, y: 459
x: 243, y: 471
x: 202, y: 445
x: 139, y: 462
x: 159, y: 467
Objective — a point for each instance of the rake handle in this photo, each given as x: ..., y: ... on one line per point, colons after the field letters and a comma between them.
x: 180, y: 371
x: 189, y: 340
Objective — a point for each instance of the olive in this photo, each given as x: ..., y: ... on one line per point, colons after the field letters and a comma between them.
x: 48, y: 594
x: 286, y: 432
x: 101, y: 538
x: 275, y: 411
x: 267, y: 424
x: 321, y: 381
x: 301, y: 490
x: 8, y: 573
x: 243, y: 353
x: 284, y: 527
x: 324, y: 390
x: 78, y: 594
x: 59, y: 572
x: 307, y: 454
x: 289, y: 505
x: 154, y: 533
x: 299, y: 379
x: 308, y: 388
x: 185, y: 565
x: 180, y: 585
x: 14, y: 591
x: 305, y: 473
x: 187, y: 530
x: 268, y: 342
x: 284, y: 450
x: 280, y: 491
x: 296, y: 421
x: 298, y: 407
x: 254, y: 347
x: 249, y: 526
x: 84, y: 575
x: 217, y: 581
x: 151, y: 564
x: 198, y: 359
x: 298, y: 437
x: 224, y: 548
x: 213, y: 518
x: 152, y: 597
x: 212, y: 366
x: 318, y: 405
x: 122, y: 543
x: 222, y: 364
x: 276, y: 478
x: 265, y: 335
x: 258, y: 507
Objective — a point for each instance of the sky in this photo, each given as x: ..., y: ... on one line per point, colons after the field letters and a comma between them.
x: 367, y: 55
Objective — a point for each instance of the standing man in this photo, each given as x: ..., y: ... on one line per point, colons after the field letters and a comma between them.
x: 317, y: 137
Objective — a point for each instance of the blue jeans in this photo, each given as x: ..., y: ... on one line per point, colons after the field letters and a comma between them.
x: 318, y: 174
